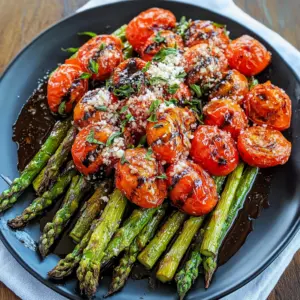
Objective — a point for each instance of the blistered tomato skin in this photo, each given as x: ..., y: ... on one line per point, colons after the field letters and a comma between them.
x: 270, y: 105
x: 130, y: 72
x: 205, y: 65
x: 95, y: 106
x: 234, y: 85
x: 90, y: 153
x: 263, y: 147
x: 206, y: 32
x: 214, y: 150
x: 158, y: 41
x: 192, y: 190
x: 247, y: 55
x: 170, y: 136
x: 137, y: 177
x: 65, y: 85
x: 103, y: 50
x: 225, y: 114
x: 146, y: 23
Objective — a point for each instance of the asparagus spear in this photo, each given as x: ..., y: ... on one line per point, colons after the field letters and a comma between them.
x: 126, y: 234
x: 51, y: 171
x: 149, y: 256
x: 66, y: 266
x: 122, y: 271
x: 213, y: 232
x: 89, y: 267
x: 188, y: 274
x: 70, y: 204
x: 90, y: 210
x: 210, y: 264
x: 39, y: 205
x: 10, y: 196
x: 171, y: 260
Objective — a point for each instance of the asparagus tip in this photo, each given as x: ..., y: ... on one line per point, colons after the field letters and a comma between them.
x: 16, y: 223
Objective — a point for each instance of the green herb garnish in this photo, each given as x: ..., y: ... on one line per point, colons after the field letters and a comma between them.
x: 102, y: 46
x: 197, y: 90
x: 123, y: 109
x: 181, y: 75
x: 124, y: 91
x: 162, y: 176
x: 252, y: 82
x: 101, y: 108
x: 154, y: 80
x: 159, y: 39
x: 172, y: 89
x: 123, y: 160
x: 182, y: 26
x: 218, y: 25
x: 170, y: 102
x: 149, y: 154
x: 70, y: 50
x: 93, y: 66
x: 91, y: 138
x: 112, y: 137
x: 88, y: 33
x: 85, y: 76
x: 163, y: 53
x: 147, y: 66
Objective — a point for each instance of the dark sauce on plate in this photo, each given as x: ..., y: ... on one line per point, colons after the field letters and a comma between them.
x: 32, y: 128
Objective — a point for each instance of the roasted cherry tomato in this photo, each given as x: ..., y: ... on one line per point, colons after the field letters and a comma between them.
x: 263, y: 147
x: 134, y: 115
x: 227, y: 115
x: 100, y: 55
x: 146, y: 23
x: 214, y: 150
x: 205, y: 65
x: 247, y: 55
x: 206, y: 32
x: 129, y: 75
x: 181, y: 95
x: 169, y: 135
x: 192, y: 190
x: 140, y: 178
x: 234, y: 85
x: 159, y: 40
x: 268, y: 104
x: 97, y: 148
x: 65, y: 87
x: 97, y: 105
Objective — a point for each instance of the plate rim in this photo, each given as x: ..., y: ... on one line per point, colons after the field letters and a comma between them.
x: 275, y: 252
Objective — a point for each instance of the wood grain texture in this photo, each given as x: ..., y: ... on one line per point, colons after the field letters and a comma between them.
x: 22, y: 20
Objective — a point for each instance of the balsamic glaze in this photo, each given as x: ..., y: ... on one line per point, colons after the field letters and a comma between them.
x: 32, y: 127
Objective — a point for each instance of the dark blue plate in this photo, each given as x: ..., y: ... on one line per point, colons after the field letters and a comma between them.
x: 273, y: 230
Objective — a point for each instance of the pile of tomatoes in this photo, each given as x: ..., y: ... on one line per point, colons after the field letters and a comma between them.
x: 239, y: 122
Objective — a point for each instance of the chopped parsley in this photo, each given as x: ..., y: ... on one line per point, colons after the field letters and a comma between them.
x: 218, y: 25
x: 112, y: 137
x: 93, y: 66
x: 88, y: 33
x: 181, y: 75
x: 123, y: 109
x: 149, y: 154
x: 197, y: 90
x: 70, y: 50
x: 252, y: 82
x: 157, y: 79
x: 101, y: 108
x: 102, y: 46
x: 124, y: 91
x: 123, y: 160
x: 91, y: 138
x: 163, y: 53
x: 154, y: 105
x: 182, y: 26
x: 162, y: 176
x: 170, y: 102
x: 147, y: 66
x: 159, y: 39
x: 172, y: 89
x: 85, y: 76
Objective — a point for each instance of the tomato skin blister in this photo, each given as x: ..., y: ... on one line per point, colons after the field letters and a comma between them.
x: 270, y: 105
x: 65, y: 85
x: 146, y: 23
x: 263, y: 147
x: 138, y: 178
x: 192, y: 190
x: 247, y: 55
x: 214, y: 150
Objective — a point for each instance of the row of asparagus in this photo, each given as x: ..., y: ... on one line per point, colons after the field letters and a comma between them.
x: 143, y: 237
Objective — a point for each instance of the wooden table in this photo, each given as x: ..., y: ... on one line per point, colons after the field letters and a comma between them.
x: 22, y: 20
